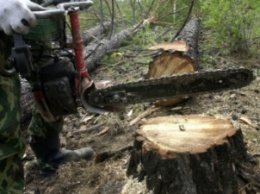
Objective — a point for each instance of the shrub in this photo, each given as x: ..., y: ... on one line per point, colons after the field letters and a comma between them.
x: 232, y: 23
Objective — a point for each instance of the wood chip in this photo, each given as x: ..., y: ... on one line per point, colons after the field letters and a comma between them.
x: 87, y: 118
x: 104, y: 130
x: 247, y: 121
x: 90, y: 129
x: 130, y: 113
x: 144, y: 114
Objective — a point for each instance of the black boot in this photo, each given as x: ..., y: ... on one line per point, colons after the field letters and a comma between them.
x: 49, y: 153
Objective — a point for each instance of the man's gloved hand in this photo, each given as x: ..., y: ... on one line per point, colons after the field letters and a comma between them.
x: 16, y: 15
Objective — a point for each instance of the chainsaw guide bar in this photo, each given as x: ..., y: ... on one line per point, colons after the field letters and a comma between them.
x: 180, y: 85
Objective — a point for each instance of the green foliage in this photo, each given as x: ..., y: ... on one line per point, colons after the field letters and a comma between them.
x: 144, y: 38
x: 233, y: 24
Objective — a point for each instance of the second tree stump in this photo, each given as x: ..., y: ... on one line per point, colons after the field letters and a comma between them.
x: 176, y: 57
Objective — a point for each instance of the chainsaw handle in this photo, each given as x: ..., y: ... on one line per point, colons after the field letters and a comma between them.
x: 48, y: 13
x: 62, y: 8
x: 72, y: 5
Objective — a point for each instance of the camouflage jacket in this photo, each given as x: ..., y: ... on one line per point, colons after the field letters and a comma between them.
x: 5, y: 48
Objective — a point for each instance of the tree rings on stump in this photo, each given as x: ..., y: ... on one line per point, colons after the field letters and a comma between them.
x: 188, y: 154
x: 176, y: 57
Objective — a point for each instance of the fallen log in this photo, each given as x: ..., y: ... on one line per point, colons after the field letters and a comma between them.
x: 96, y: 32
x: 189, y: 155
x: 95, y: 52
x: 176, y: 57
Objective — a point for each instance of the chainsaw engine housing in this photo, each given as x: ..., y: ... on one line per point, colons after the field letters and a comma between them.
x: 55, y: 91
x: 51, y: 29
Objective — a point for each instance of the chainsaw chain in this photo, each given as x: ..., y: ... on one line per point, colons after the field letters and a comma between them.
x: 182, y: 85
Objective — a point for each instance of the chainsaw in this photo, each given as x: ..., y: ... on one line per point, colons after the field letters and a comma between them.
x: 66, y: 84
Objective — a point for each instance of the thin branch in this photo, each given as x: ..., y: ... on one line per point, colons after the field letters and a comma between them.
x: 112, y: 18
x: 101, y: 12
x: 90, y: 129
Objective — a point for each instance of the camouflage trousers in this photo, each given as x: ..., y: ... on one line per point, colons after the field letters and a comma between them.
x: 12, y: 144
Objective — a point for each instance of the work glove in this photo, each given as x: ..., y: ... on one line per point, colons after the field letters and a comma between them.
x: 16, y: 15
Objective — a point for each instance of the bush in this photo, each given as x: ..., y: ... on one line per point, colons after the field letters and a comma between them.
x: 232, y: 23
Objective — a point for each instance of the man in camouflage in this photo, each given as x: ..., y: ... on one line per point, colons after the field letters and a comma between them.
x: 44, y: 135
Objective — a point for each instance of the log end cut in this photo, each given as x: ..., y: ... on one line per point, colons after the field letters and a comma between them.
x: 168, y: 64
x: 169, y: 136
x: 175, y: 46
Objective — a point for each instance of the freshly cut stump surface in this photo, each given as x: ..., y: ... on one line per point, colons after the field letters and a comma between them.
x: 188, y: 154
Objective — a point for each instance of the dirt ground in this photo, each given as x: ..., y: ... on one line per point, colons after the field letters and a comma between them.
x: 112, y: 132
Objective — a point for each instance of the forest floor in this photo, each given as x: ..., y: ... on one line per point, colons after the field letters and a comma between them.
x: 113, y: 131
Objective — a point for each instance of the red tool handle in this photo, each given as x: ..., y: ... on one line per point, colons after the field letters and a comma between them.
x: 77, y: 44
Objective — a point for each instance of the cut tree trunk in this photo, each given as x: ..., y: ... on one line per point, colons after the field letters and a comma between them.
x: 96, y: 32
x: 188, y: 155
x: 176, y: 57
x: 94, y: 53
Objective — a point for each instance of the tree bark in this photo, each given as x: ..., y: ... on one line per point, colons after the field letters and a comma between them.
x: 188, y: 155
x: 96, y: 32
x: 95, y: 52
x: 176, y: 57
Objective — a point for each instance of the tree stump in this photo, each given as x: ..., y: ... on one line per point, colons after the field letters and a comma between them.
x: 176, y: 57
x: 188, y: 155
